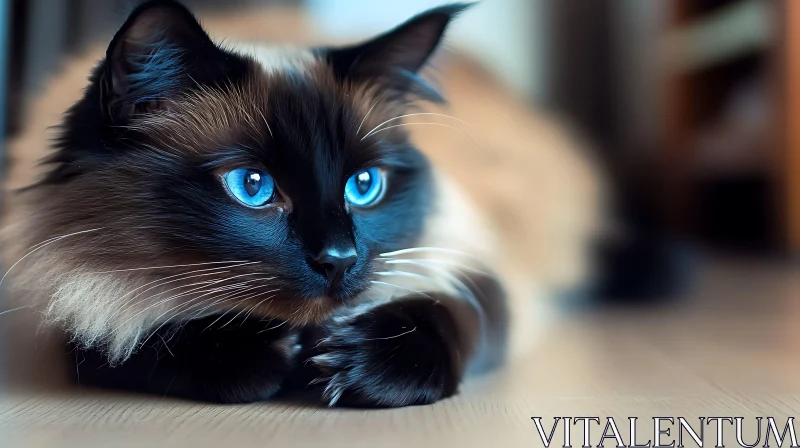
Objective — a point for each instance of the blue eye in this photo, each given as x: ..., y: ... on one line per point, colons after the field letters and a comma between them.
x: 253, y: 188
x: 364, y: 187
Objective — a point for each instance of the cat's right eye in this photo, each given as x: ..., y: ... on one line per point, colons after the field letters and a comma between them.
x: 252, y: 187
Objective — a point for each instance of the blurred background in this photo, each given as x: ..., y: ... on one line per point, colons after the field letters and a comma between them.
x: 688, y: 103
x: 691, y: 108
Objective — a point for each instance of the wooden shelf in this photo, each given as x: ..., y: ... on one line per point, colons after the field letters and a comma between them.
x: 789, y: 108
x: 696, y: 97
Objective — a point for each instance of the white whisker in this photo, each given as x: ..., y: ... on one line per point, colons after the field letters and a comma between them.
x: 180, y: 295
x: 219, y: 299
x: 228, y: 296
x: 414, y: 250
x: 365, y: 117
x: 413, y: 115
x: 265, y: 122
x: 164, y: 281
x: 274, y: 327
x: 259, y: 303
x: 237, y: 290
x: 237, y: 314
x: 42, y: 245
x: 240, y: 312
x: 172, y: 279
x: 378, y: 282
x: 153, y: 268
x: 428, y: 124
x: 14, y: 309
x: 130, y: 302
x: 398, y: 273
x: 392, y: 337
x: 427, y: 261
x: 166, y: 346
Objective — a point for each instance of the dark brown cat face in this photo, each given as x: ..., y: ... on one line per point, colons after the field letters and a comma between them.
x: 199, y: 177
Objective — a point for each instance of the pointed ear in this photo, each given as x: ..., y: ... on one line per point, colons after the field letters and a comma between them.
x: 393, y: 59
x: 159, y: 51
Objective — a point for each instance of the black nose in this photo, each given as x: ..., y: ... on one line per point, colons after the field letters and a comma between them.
x: 335, y: 261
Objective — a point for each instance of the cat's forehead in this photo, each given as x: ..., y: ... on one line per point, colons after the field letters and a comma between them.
x: 280, y: 59
x: 286, y: 93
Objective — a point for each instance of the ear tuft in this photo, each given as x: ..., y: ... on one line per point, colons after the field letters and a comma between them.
x: 394, y: 58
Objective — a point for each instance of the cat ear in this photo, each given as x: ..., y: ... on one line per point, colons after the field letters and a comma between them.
x: 159, y: 51
x: 393, y: 59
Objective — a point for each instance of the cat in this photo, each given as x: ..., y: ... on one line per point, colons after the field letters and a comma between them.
x: 223, y: 223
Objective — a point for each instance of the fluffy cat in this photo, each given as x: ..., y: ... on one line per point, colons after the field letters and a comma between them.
x: 221, y: 222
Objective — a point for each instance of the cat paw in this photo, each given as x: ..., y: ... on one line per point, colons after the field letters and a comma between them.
x: 241, y: 362
x: 391, y: 355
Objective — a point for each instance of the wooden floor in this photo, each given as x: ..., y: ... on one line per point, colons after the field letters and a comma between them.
x: 730, y: 349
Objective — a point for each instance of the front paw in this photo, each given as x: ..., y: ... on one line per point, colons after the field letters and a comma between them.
x: 397, y: 354
x: 207, y: 359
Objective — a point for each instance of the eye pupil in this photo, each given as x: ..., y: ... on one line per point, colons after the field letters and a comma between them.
x: 252, y: 182
x: 364, y: 187
x: 363, y: 182
x: 252, y: 187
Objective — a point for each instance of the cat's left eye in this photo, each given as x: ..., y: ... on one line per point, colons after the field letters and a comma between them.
x: 364, y: 188
x: 252, y: 187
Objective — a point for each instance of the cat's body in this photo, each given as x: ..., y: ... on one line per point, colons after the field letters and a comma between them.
x: 166, y: 284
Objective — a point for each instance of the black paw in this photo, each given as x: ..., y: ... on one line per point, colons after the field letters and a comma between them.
x: 397, y: 354
x: 242, y: 361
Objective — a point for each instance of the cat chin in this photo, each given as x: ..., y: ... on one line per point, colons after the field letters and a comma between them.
x: 300, y: 311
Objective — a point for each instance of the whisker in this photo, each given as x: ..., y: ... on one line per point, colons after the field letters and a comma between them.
x: 164, y: 281
x: 391, y: 337
x: 42, y: 245
x: 413, y: 115
x: 152, y: 268
x: 236, y: 291
x: 14, y: 309
x: 166, y: 346
x: 240, y: 312
x: 267, y: 124
x: 466, y: 293
x: 398, y: 273
x: 176, y: 296
x: 426, y: 261
x: 239, y: 289
x: 428, y: 124
x: 230, y: 296
x: 219, y: 300
x: 365, y: 117
x: 130, y: 302
x: 378, y: 282
x: 227, y: 311
x: 422, y: 249
x: 159, y: 302
x: 274, y: 327
x: 259, y: 303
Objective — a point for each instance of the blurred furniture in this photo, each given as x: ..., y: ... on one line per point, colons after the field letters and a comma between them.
x: 790, y: 50
x: 5, y: 11
x: 731, y: 145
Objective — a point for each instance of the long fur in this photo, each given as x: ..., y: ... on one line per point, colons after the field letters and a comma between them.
x: 90, y: 284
